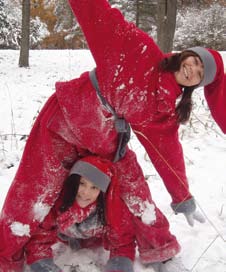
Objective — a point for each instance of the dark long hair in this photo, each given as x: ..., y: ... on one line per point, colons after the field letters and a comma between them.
x: 172, y: 64
x: 69, y: 192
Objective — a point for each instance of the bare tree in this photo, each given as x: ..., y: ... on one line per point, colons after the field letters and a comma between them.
x: 25, y: 37
x: 167, y: 11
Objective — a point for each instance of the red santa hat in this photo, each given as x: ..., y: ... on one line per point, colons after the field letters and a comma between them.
x: 214, y: 84
x: 95, y: 169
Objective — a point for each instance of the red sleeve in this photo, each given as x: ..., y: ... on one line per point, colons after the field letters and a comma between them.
x: 165, y: 151
x: 109, y: 36
x: 215, y: 95
x: 101, y: 25
x: 45, y: 236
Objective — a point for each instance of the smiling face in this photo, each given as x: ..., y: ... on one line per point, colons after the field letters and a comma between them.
x: 87, y: 193
x: 191, y: 72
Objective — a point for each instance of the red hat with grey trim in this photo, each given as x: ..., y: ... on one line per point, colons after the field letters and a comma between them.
x: 214, y: 84
x: 95, y: 169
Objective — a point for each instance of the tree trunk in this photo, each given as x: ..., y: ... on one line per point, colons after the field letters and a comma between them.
x: 25, y: 37
x: 167, y: 11
x: 137, y: 13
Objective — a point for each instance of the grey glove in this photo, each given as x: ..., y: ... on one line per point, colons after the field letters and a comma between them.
x: 196, y: 215
x: 45, y: 265
x: 119, y: 263
x: 188, y: 208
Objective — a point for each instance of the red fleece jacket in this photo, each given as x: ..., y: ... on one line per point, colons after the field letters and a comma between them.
x: 127, y: 69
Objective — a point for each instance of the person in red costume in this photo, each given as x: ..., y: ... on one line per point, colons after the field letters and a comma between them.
x: 142, y: 85
x: 86, y: 215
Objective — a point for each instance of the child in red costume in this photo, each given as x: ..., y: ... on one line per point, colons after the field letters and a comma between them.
x: 87, y: 214
x: 142, y: 85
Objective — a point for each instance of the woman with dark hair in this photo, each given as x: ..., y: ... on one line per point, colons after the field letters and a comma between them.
x: 138, y: 85
x: 86, y: 215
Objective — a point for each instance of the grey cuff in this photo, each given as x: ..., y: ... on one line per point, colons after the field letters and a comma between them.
x: 63, y: 237
x: 45, y: 265
x: 119, y: 263
x: 187, y: 206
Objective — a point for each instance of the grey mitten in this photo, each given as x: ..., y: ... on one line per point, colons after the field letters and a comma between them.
x: 120, y: 264
x: 188, y: 208
x: 45, y: 265
x: 196, y: 215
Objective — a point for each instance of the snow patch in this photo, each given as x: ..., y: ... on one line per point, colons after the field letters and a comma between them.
x: 142, y: 96
x: 131, y: 81
x: 122, y: 57
x: 121, y: 87
x: 40, y: 211
x: 144, y: 49
x: 20, y: 229
x: 149, y: 215
x: 135, y: 205
x: 164, y: 90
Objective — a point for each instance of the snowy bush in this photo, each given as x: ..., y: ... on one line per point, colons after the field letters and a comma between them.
x: 39, y: 31
x: 10, y: 26
x: 200, y: 27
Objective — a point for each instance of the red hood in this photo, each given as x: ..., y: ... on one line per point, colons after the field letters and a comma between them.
x: 215, y: 93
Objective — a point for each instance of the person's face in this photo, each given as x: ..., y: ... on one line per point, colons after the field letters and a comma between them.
x: 191, y: 72
x: 87, y: 193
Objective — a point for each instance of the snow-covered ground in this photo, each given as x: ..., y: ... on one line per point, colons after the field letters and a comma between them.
x: 23, y: 93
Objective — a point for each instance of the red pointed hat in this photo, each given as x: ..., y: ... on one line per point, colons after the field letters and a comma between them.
x: 95, y: 169
x: 214, y: 83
